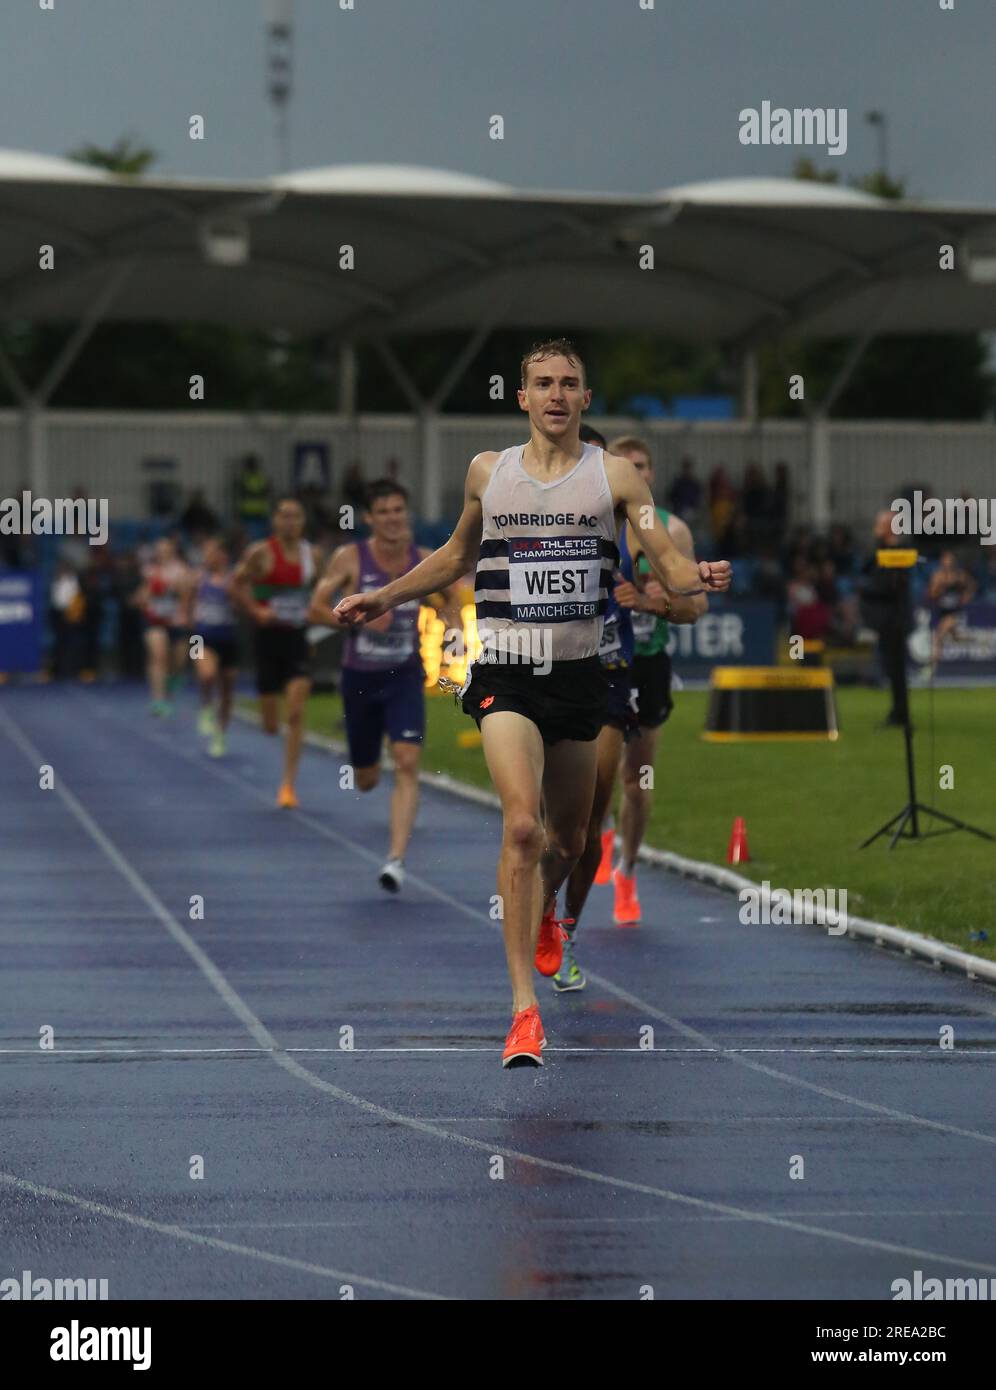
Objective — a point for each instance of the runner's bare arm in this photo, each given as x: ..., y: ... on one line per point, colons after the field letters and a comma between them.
x: 188, y: 592
x: 449, y: 608
x: 442, y: 567
x: 680, y: 576
x: 653, y: 598
x: 254, y: 567
x: 341, y: 575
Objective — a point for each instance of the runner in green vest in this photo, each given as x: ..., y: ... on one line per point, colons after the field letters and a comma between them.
x: 652, y: 679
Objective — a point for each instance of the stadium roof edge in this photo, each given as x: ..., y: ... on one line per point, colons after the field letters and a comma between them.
x: 753, y: 191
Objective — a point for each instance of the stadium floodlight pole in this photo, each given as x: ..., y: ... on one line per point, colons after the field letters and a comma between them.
x: 279, y: 17
x: 881, y: 120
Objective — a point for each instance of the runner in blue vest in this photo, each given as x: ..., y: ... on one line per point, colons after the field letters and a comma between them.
x: 383, y: 680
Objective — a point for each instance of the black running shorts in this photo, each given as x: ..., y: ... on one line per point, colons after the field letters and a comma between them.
x: 621, y: 713
x: 282, y: 655
x: 652, y: 678
x: 570, y: 702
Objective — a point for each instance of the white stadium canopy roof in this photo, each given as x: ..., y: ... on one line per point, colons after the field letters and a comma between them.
x: 735, y: 261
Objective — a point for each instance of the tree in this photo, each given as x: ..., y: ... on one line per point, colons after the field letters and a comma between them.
x: 125, y: 157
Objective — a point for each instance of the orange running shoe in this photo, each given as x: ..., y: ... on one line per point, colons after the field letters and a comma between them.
x: 626, y: 911
x: 550, y: 944
x: 604, y: 873
x: 525, y: 1042
x: 287, y: 798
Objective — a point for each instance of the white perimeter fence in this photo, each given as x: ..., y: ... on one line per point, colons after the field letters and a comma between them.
x: 117, y: 454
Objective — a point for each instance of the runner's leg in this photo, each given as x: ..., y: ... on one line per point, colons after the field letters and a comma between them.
x: 157, y: 662
x: 269, y: 708
x: 639, y: 753
x: 513, y: 750
x: 226, y: 694
x: 568, y: 791
x: 404, y: 797
x: 608, y: 747
x: 297, y: 693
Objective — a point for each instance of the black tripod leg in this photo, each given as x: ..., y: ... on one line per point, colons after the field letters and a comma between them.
x: 957, y: 824
x: 884, y: 830
x: 905, y: 817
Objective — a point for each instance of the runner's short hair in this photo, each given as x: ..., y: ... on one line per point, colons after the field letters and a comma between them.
x: 383, y: 487
x: 553, y: 347
x: 630, y: 443
x: 278, y: 502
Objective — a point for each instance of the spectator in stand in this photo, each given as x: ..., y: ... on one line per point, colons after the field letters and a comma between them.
x: 722, y: 502
x: 96, y: 587
x: 66, y: 610
x: 685, y: 496
x: 809, y: 616
x: 131, y: 643
x: 778, y: 502
x: 756, y: 504
x: 841, y: 549
x: 354, y: 489
x: 197, y: 518
x: 769, y: 578
x: 320, y: 525
x: 252, y: 497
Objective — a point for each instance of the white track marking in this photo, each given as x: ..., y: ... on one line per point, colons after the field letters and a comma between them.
x: 264, y: 1038
x: 927, y: 1053
x: 164, y: 1228
x: 648, y: 1010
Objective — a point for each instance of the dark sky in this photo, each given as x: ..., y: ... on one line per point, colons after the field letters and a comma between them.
x: 595, y: 94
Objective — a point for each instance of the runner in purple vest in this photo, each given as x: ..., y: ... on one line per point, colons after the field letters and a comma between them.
x: 383, y: 680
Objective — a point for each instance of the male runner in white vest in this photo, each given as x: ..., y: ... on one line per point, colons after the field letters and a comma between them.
x: 543, y: 519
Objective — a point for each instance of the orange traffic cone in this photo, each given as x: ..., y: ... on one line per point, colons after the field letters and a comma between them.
x: 737, y: 851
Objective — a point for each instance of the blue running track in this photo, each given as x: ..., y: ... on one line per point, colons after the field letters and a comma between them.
x: 412, y: 1165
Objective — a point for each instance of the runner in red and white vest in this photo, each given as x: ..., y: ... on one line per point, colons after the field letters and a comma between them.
x: 273, y: 583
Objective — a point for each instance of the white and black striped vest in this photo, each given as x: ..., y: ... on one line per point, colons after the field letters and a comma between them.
x: 548, y: 552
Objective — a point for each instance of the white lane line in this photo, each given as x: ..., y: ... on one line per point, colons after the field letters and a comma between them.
x: 640, y: 1005
x: 164, y: 1228
x: 264, y: 1038
x: 477, y: 1222
x: 961, y: 1052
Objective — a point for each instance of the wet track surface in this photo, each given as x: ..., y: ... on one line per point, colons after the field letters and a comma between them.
x: 622, y: 1167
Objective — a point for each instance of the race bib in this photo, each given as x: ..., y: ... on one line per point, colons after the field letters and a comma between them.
x: 643, y: 625
x: 163, y: 605
x: 610, y: 647
x: 387, y: 648
x: 553, y: 578
x: 290, y: 608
